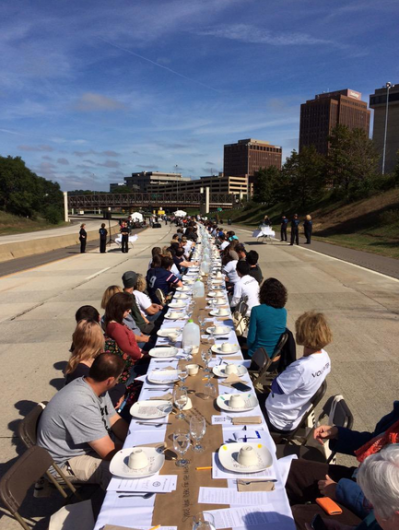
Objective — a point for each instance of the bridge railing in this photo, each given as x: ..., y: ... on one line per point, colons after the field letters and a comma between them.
x: 126, y: 200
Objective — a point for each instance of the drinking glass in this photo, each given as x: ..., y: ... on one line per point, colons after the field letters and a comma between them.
x: 187, y: 350
x: 203, y: 521
x: 197, y: 431
x: 180, y: 400
x: 208, y: 372
x: 182, y: 375
x: 181, y: 442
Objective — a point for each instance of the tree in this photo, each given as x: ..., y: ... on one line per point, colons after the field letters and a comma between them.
x: 265, y: 185
x: 122, y: 189
x: 353, y: 158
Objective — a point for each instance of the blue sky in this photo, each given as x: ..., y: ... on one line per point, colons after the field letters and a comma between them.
x: 93, y: 90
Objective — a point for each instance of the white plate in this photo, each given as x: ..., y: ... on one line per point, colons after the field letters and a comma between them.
x: 215, y: 313
x: 180, y: 316
x: 217, y: 282
x: 251, y: 401
x: 228, y: 457
x: 220, y: 370
x: 119, y: 467
x: 163, y: 377
x: 181, y: 296
x: 163, y: 352
x: 165, y: 332
x: 216, y: 294
x: 226, y: 330
x: 153, y: 409
x: 217, y: 348
x: 219, y: 301
x: 177, y: 303
x: 183, y: 289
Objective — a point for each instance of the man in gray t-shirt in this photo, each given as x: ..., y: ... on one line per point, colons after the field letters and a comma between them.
x: 75, y: 426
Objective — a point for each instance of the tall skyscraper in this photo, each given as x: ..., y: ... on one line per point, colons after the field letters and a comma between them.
x: 378, y: 102
x: 319, y: 116
x: 246, y: 157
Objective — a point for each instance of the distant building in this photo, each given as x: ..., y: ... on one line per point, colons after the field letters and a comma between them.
x: 216, y: 184
x: 321, y: 115
x: 246, y: 157
x: 378, y: 102
x: 146, y: 180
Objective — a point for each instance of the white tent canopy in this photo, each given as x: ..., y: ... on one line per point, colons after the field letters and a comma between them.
x: 180, y: 213
x: 137, y: 216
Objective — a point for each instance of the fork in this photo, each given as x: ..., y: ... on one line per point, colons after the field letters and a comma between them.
x: 144, y: 496
x: 247, y: 482
x: 153, y: 424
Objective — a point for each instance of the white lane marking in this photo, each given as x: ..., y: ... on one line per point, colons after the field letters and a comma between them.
x: 96, y: 274
x: 337, y: 259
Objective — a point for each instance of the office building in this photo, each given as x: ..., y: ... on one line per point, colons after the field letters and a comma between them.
x: 319, y: 116
x: 146, y: 180
x: 237, y: 186
x: 246, y: 157
x: 378, y: 102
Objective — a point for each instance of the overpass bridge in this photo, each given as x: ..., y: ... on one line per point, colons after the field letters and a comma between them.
x: 135, y: 201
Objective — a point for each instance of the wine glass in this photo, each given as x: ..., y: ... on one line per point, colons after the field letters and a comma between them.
x: 181, y: 442
x: 180, y: 400
x: 203, y: 521
x: 197, y: 431
x: 182, y: 375
x: 208, y: 373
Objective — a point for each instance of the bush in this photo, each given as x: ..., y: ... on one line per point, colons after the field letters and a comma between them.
x: 389, y: 217
x: 53, y: 215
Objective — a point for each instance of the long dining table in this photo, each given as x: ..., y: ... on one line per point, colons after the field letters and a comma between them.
x: 175, y: 494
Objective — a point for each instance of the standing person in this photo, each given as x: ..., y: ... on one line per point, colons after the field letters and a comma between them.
x: 125, y: 237
x: 283, y: 231
x: 103, y: 238
x: 295, y: 230
x: 307, y: 225
x: 82, y: 238
x: 266, y: 221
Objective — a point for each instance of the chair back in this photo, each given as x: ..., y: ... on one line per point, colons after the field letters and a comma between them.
x: 161, y: 296
x: 26, y: 471
x: 243, y: 306
x: 260, y: 357
x: 27, y: 429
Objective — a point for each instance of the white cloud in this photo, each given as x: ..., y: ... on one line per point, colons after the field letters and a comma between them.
x: 63, y: 161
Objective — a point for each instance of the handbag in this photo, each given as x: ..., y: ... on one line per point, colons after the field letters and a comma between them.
x: 241, y: 324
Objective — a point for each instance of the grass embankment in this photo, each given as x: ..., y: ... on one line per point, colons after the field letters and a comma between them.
x: 12, y: 224
x: 371, y: 224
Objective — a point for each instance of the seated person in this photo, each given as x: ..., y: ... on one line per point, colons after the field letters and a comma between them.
x: 87, y: 312
x: 174, y: 269
x: 254, y: 270
x: 161, y: 277
x: 293, y: 389
x: 242, y: 253
x: 88, y: 341
x: 155, y: 251
x: 117, y: 309
x: 308, y: 480
x: 146, y: 327
x: 181, y: 262
x: 269, y: 319
x: 245, y: 287
x: 223, y: 241
x: 230, y: 269
x: 76, y: 426
x: 149, y: 311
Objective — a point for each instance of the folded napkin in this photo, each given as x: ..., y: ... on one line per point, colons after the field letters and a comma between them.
x: 255, y: 485
x: 165, y: 397
x: 236, y: 358
x: 247, y: 420
x: 230, y: 380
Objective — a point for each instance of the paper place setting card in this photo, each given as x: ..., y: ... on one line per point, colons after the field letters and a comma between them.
x: 248, y: 518
x: 232, y: 497
x: 153, y: 484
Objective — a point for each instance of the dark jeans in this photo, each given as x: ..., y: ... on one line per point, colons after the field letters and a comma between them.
x: 283, y: 233
x: 125, y: 243
x: 302, y: 488
x: 294, y: 236
x: 103, y: 245
x: 308, y: 235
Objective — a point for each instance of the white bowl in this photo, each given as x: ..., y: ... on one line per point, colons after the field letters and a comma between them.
x: 137, y: 459
x: 236, y: 401
x: 247, y: 456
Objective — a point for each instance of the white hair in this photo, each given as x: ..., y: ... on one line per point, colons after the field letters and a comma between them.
x: 378, y: 478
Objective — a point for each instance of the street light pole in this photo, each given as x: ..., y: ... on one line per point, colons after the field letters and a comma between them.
x: 388, y: 86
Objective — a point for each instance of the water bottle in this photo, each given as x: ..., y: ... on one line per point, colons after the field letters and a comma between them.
x: 198, y: 289
x: 191, y: 336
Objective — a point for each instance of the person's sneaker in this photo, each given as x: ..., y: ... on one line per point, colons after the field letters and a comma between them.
x: 43, y: 488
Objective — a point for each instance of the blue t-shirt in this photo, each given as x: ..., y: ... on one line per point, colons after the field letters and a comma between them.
x: 159, y: 278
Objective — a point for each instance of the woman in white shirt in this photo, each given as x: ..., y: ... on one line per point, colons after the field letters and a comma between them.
x: 293, y: 389
x: 148, y: 309
x: 230, y: 267
x: 246, y: 286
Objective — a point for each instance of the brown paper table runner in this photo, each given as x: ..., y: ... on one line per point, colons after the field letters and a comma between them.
x: 178, y: 507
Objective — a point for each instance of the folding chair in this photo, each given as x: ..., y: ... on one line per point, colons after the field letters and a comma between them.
x: 294, y: 436
x: 339, y: 414
x: 27, y: 428
x: 161, y: 296
x: 269, y: 369
x: 26, y: 471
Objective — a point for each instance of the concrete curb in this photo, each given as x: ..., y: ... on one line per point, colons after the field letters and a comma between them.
x: 22, y: 249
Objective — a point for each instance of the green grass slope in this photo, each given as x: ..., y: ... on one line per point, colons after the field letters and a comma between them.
x: 13, y: 224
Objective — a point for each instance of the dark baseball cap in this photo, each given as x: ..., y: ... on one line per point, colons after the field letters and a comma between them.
x: 129, y: 279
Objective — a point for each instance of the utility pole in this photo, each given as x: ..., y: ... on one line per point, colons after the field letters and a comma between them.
x: 388, y: 87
